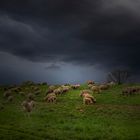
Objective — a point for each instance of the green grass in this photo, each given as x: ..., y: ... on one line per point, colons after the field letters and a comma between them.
x: 113, y: 117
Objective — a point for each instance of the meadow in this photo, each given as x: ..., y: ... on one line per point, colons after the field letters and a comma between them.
x: 112, y: 117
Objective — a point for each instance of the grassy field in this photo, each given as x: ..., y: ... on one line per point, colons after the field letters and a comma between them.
x: 113, y: 117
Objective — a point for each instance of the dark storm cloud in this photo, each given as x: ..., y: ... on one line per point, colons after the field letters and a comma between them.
x: 78, y: 31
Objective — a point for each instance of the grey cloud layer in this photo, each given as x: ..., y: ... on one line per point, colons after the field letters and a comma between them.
x: 78, y: 31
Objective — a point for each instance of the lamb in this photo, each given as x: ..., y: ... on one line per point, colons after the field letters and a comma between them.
x: 28, y: 105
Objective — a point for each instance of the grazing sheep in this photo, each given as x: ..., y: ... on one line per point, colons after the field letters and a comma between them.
x: 75, y: 86
x: 130, y: 90
x: 65, y: 88
x: 7, y: 93
x: 10, y: 98
x: 30, y: 96
x: 104, y: 87
x: 58, y: 91
x: 90, y: 85
x: 87, y: 101
x: 87, y: 98
x: 31, y: 103
x: 51, y: 87
x: 85, y: 92
x: 49, y: 91
x: 86, y: 95
x: 90, y: 82
x: 96, y: 89
x: 110, y: 84
x: 51, y: 97
x: 28, y: 105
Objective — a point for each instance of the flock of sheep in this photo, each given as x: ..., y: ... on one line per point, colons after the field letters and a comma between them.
x: 54, y: 91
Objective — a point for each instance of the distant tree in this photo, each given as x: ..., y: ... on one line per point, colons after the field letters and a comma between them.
x: 118, y: 76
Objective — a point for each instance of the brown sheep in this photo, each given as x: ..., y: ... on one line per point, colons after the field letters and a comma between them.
x: 87, y: 98
x: 90, y: 82
x: 51, y: 97
x: 58, y: 91
x: 75, y: 86
x: 87, y: 101
x: 96, y: 89
x: 85, y: 92
x: 65, y: 88
x: 104, y: 87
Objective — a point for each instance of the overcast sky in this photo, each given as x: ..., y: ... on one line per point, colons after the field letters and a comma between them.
x: 61, y: 41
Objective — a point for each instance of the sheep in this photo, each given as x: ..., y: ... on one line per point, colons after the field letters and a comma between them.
x: 51, y: 87
x: 58, y: 91
x: 86, y: 95
x: 65, y: 88
x: 110, y: 84
x: 30, y: 96
x: 85, y: 92
x: 75, y: 86
x: 31, y: 103
x: 87, y: 98
x: 28, y: 105
x: 7, y: 93
x: 104, y: 87
x: 96, y: 89
x: 10, y: 98
x: 90, y: 82
x: 51, y: 97
x: 87, y: 101
x: 130, y: 90
x: 90, y: 85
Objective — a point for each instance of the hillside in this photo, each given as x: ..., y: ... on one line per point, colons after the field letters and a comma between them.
x: 112, y: 117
